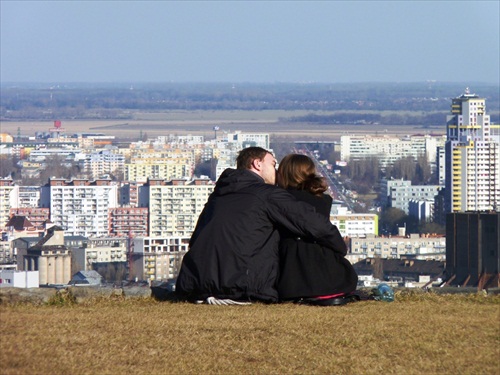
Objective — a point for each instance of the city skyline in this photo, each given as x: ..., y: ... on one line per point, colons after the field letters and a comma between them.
x: 246, y: 41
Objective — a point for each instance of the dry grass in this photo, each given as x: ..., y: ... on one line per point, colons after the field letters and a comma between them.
x: 417, y: 334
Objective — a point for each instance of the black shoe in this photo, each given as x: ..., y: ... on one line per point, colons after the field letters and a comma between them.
x: 336, y: 301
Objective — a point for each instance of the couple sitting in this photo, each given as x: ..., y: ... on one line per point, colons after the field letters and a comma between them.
x: 255, y: 241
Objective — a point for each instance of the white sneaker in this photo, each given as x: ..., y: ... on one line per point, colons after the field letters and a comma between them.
x: 224, y: 302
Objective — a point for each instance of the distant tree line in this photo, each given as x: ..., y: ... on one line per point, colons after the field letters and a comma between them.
x: 373, y: 118
x: 117, y: 101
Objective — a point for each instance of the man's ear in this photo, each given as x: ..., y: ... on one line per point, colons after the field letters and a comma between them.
x: 257, y: 164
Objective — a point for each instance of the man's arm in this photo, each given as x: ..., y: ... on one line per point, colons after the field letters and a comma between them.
x: 302, y: 219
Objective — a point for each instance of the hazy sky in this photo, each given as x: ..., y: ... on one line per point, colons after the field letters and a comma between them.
x: 250, y: 41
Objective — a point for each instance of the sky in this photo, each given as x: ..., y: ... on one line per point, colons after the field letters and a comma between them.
x: 249, y: 41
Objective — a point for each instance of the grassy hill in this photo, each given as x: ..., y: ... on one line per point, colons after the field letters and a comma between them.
x: 417, y: 334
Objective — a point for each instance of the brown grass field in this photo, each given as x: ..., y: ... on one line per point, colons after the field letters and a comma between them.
x: 416, y: 334
x: 202, y: 123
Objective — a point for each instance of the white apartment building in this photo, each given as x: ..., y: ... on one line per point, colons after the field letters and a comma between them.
x: 105, y: 254
x: 174, y: 206
x: 42, y: 153
x: 472, y: 157
x: 389, y: 149
x: 26, y: 196
x: 7, y: 199
x: 104, y: 162
x: 355, y: 225
x: 157, y: 258
x: 415, y: 246
x: 422, y: 210
x: 441, y: 165
x: 160, y: 164
x: 244, y: 140
x: 232, y: 143
x: 399, y: 193
x: 80, y: 207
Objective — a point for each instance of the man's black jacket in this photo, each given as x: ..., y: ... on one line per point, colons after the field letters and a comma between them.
x: 234, y: 248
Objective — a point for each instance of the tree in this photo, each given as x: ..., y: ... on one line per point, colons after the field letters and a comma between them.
x: 422, y: 171
x: 206, y: 168
x: 432, y: 228
x: 393, y: 218
x: 8, y: 166
x: 404, y: 168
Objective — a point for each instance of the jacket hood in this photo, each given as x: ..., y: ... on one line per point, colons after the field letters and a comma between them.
x: 232, y: 180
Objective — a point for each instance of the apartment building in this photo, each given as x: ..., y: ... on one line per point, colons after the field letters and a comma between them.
x: 26, y: 196
x: 174, y: 206
x: 7, y: 199
x: 389, y: 149
x: 355, y: 225
x: 164, y: 164
x: 415, y: 246
x: 115, y: 252
x: 472, y: 157
x: 36, y: 215
x: 128, y: 222
x: 244, y: 140
x: 128, y: 194
x: 81, y: 206
x: 422, y: 210
x: 154, y: 258
x: 399, y: 193
x: 104, y: 162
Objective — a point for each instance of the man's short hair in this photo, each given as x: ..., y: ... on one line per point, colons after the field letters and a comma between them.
x: 248, y: 155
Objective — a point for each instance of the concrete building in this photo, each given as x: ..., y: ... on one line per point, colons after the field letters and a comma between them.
x: 399, y: 193
x: 21, y: 226
x: 80, y: 206
x: 414, y: 246
x: 109, y: 251
x: 19, y: 279
x: 49, y: 256
x: 244, y: 140
x: 7, y: 258
x: 472, y: 157
x: 400, y: 272
x: 472, y: 249
x: 154, y: 258
x: 174, y: 206
x: 160, y: 164
x: 389, y: 149
x: 36, y: 215
x: 7, y: 199
x: 128, y: 222
x: 104, y: 162
x: 128, y: 193
x: 422, y: 210
x: 26, y: 196
x: 231, y: 143
x: 355, y: 225
x: 441, y: 165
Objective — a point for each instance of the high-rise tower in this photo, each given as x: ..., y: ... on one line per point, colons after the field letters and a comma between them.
x: 472, y: 157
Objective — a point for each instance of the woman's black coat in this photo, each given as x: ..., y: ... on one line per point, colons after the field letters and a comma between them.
x: 308, y: 269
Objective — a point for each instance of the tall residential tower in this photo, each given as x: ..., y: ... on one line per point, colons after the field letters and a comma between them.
x: 472, y: 157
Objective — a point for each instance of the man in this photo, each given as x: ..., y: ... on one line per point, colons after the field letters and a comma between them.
x: 233, y: 253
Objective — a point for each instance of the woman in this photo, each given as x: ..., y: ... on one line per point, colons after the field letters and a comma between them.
x: 309, y: 272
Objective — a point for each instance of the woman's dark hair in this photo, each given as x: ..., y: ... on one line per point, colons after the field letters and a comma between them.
x: 248, y: 155
x: 298, y: 171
